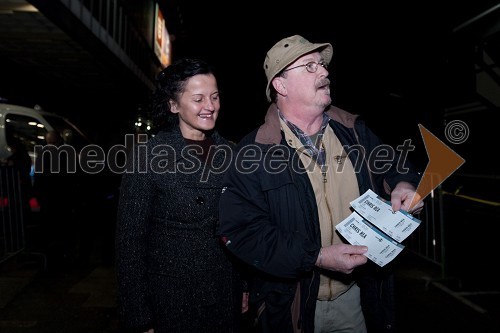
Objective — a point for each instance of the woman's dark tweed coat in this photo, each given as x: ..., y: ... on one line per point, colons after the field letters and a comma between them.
x: 172, y: 271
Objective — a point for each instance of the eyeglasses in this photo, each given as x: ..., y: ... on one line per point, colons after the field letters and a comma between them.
x: 311, y: 67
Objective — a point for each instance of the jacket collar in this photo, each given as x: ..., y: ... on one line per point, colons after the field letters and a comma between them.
x: 270, y: 131
x: 173, y: 136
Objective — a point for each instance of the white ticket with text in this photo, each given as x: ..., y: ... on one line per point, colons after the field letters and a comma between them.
x: 397, y: 225
x: 357, y: 231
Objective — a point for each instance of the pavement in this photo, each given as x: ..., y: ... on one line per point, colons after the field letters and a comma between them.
x: 76, y: 297
x: 71, y: 298
x: 428, y: 302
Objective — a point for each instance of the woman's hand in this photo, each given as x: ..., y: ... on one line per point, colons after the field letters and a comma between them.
x: 244, y: 303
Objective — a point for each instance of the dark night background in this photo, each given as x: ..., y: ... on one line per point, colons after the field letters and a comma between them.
x: 387, y: 63
x: 390, y: 63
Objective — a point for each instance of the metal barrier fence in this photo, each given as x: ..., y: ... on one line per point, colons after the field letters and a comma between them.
x: 428, y: 240
x: 451, y: 223
x: 12, y: 239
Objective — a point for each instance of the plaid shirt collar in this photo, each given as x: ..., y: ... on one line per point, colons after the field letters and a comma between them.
x: 315, y: 149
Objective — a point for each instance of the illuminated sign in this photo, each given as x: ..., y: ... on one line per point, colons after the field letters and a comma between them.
x: 162, y: 45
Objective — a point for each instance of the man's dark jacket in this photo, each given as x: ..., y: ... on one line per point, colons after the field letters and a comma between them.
x: 269, y: 219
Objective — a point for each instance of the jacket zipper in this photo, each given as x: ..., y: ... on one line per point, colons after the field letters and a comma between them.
x: 364, y: 160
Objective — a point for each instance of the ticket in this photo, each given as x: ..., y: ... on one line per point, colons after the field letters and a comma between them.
x: 357, y: 231
x: 397, y: 225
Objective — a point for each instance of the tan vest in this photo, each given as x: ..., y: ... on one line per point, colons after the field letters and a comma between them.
x: 334, y: 191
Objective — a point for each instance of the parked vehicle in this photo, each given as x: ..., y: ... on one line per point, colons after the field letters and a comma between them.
x: 63, y: 225
x: 29, y: 127
x: 24, y: 127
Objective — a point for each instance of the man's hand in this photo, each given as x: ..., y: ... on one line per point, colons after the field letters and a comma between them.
x: 341, y: 257
x: 404, y: 197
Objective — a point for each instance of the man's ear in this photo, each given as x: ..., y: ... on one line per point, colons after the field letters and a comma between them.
x: 279, y: 85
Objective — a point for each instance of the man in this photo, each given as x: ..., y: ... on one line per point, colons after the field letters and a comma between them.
x: 291, y: 183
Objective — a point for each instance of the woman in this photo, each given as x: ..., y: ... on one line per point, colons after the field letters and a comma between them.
x: 173, y: 274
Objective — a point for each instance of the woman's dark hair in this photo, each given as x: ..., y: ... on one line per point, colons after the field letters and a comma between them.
x: 170, y: 83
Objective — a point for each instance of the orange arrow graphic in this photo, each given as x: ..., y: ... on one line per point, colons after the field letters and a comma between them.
x: 442, y: 163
